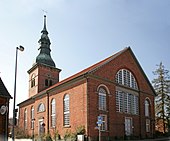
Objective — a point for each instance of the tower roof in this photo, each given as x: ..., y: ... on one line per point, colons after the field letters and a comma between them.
x: 44, y: 56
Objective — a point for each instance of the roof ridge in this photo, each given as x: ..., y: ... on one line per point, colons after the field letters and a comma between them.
x: 108, y: 59
x: 89, y: 69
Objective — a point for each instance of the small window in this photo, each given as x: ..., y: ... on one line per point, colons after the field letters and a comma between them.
x: 41, y: 107
x: 147, y: 125
x: 104, y: 123
x: 51, y: 83
x: 46, y: 82
x: 33, y: 81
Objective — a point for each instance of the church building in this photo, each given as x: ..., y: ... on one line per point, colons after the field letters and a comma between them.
x: 112, y: 98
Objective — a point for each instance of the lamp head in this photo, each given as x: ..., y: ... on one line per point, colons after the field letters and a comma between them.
x: 21, y: 48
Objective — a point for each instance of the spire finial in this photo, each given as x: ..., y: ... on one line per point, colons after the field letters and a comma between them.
x: 44, y: 29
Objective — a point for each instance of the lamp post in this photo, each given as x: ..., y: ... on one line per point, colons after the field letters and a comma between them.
x: 21, y: 48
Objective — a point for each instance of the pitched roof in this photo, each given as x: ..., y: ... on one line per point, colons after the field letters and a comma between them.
x: 3, y: 91
x: 100, y: 64
x: 89, y: 69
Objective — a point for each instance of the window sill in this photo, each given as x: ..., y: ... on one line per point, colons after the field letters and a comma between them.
x: 104, y: 130
x: 52, y: 127
x: 106, y: 111
x: 67, y: 126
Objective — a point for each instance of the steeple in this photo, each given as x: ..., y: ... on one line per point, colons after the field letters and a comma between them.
x: 44, y: 56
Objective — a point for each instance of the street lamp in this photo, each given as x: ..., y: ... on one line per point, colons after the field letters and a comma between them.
x: 21, y: 48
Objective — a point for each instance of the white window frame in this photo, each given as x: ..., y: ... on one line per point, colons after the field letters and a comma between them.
x: 32, y: 80
x: 102, y: 99
x: 25, y: 118
x: 32, y: 117
x: 103, y: 126
x: 53, y: 113
x: 41, y: 107
x: 125, y: 77
x: 128, y: 126
x: 148, y: 126
x: 66, y: 110
x: 127, y: 102
x: 147, y: 107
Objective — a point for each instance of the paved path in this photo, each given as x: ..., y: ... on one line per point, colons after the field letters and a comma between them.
x: 20, y: 139
x: 158, y: 139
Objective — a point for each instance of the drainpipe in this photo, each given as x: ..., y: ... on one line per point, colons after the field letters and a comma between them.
x: 140, y: 114
x: 87, y: 106
x: 6, y: 120
x: 48, y: 113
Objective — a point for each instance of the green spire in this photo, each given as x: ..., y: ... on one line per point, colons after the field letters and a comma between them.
x: 44, y: 56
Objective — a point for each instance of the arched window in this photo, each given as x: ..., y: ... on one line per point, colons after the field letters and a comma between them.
x: 25, y: 119
x: 32, y: 117
x: 147, y: 108
x: 66, y: 110
x: 53, y: 113
x: 102, y: 99
x: 41, y: 107
x: 33, y: 80
x: 126, y: 78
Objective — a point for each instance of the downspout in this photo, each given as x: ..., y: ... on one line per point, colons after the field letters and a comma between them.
x: 140, y: 121
x: 87, y: 106
x: 48, y: 113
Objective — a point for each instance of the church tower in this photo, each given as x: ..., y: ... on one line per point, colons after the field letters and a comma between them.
x: 43, y: 73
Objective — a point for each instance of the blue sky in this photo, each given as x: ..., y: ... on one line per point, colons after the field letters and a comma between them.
x: 82, y: 32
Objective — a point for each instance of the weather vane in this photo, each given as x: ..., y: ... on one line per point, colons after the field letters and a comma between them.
x: 44, y: 11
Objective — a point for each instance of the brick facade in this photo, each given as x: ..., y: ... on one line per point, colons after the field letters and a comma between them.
x: 82, y: 89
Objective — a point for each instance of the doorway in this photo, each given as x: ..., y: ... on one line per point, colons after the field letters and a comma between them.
x: 128, y: 126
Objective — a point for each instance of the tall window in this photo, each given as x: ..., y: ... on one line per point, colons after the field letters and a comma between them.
x: 127, y: 100
x: 33, y: 80
x: 32, y: 117
x: 25, y: 119
x: 102, y: 99
x: 126, y: 78
x: 147, y: 108
x: 66, y: 110
x: 53, y: 113
x: 127, y: 103
x: 41, y: 107
x: 104, y: 123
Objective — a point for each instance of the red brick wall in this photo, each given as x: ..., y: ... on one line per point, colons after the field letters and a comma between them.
x: 78, y: 111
